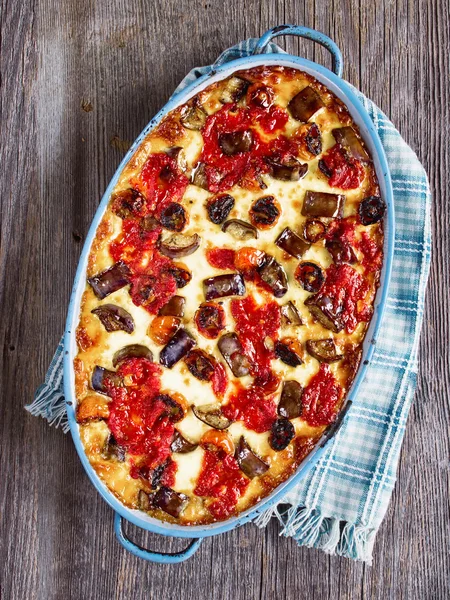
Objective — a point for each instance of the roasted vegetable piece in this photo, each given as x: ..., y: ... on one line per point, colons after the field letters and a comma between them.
x: 249, y: 463
x: 290, y: 315
x: 288, y: 170
x: 291, y: 243
x: 92, y: 408
x: 219, y: 207
x: 181, y: 445
x: 170, y: 501
x: 163, y: 328
x: 114, y: 318
x: 149, y: 223
x: 321, y: 307
x: 350, y: 140
x: 314, y: 230
x: 99, y: 377
x: 131, y: 351
x: 313, y: 140
x: 240, y: 230
x: 127, y: 203
x: 236, y: 142
x: 371, y: 210
x: 230, y: 284
x: 174, y: 410
x: 198, y: 176
x: 290, y: 405
x: 193, y: 116
x: 235, y: 89
x: 174, y: 308
x: 181, y: 275
x: 210, y: 319
x: 112, y: 450
x: 310, y: 276
x: 200, y: 364
x: 231, y: 349
x: 305, y: 104
x: 260, y: 95
x: 178, y: 154
x: 273, y: 275
x: 341, y: 251
x: 144, y: 501
x: 179, y: 245
x: 322, y: 204
x: 286, y: 353
x: 281, y: 434
x: 214, y: 440
x: 173, y: 217
x: 211, y: 414
x: 265, y: 212
x: 110, y: 280
x: 176, y: 348
x: 323, y: 350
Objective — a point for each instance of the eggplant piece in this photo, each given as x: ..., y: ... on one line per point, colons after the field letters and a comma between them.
x: 193, y: 117
x: 323, y: 204
x: 290, y: 405
x: 149, y: 223
x: 273, y: 275
x: 219, y: 207
x: 231, y: 349
x: 114, y: 318
x: 176, y: 348
x: 179, y: 245
x: 281, y: 434
x: 313, y: 140
x: 290, y: 315
x: 261, y: 96
x: 323, y: 350
x: 200, y: 364
x: 210, y: 319
x: 289, y: 170
x: 110, y: 280
x: 99, y: 377
x: 173, y: 217
x: 291, y: 243
x: 132, y: 351
x: 181, y: 445
x: 174, y: 410
x: 143, y: 500
x: 181, y: 275
x: 174, y: 308
x: 177, y: 152
x: 235, y: 88
x: 212, y: 415
x: 314, y: 230
x: 127, y: 203
x: 321, y: 308
x: 305, y: 104
x: 112, y: 450
x: 350, y: 140
x: 198, y: 176
x: 142, y: 289
x: 264, y: 212
x: 240, y: 230
x: 236, y: 142
x: 310, y: 276
x: 287, y: 355
x: 170, y: 501
x: 371, y: 210
x: 230, y: 284
x: 340, y: 251
x: 249, y: 463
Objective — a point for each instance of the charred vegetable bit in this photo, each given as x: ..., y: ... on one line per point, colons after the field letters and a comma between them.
x: 163, y: 328
x: 114, y: 318
x: 181, y: 445
x: 314, y: 230
x: 131, y: 351
x: 174, y: 410
x: 231, y: 284
x: 211, y: 414
x: 305, y: 104
x: 210, y: 319
x: 193, y: 117
x: 350, y: 140
x: 240, y: 230
x: 321, y: 307
x: 180, y: 158
x: 322, y: 204
x: 174, y: 308
x: 198, y: 176
x: 273, y: 275
x: 149, y: 223
x: 265, y: 212
x: 112, y: 450
x: 287, y: 354
x: 310, y: 276
x: 216, y: 441
x: 231, y: 349
x: 173, y: 217
x: 261, y: 96
x: 200, y: 364
x: 170, y: 501
x: 290, y: 315
x: 219, y: 207
x: 100, y: 376
x: 288, y: 170
x: 281, y: 434
x: 236, y: 142
x: 177, y: 347
x: 234, y: 90
x: 313, y: 140
x: 144, y: 502
x: 291, y: 243
x: 110, y: 280
x: 179, y: 245
x: 127, y: 203
x: 323, y: 350
x: 371, y: 210
x: 249, y: 463
x: 340, y: 251
x: 181, y: 275
x: 290, y: 405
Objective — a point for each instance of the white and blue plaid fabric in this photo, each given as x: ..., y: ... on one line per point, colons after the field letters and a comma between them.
x: 339, y: 506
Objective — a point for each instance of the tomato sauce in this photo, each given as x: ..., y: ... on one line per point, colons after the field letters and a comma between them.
x: 321, y: 397
x: 345, y: 172
x: 271, y: 119
x: 221, y: 258
x: 251, y: 406
x: 219, y: 380
x: 342, y: 230
x: 373, y: 254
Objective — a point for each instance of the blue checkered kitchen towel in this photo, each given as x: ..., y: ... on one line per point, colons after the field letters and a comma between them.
x: 339, y: 506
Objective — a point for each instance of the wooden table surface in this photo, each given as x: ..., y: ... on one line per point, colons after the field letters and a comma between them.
x: 78, y: 81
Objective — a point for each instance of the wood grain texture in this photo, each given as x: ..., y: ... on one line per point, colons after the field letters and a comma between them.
x: 125, y: 59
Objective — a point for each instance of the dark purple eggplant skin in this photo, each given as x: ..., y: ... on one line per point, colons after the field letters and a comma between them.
x: 290, y: 170
x: 231, y: 349
x: 323, y: 350
x: 371, y: 210
x: 212, y: 415
x: 174, y: 308
x: 176, y: 348
x: 200, y: 364
x: 290, y: 405
x: 170, y: 501
x: 310, y: 276
x: 273, y: 275
x: 230, y: 284
x: 182, y: 276
x: 234, y: 89
x: 264, y: 212
x: 193, y: 117
x: 290, y: 315
x: 132, y: 351
x: 110, y: 280
x: 236, y: 142
x: 321, y: 307
x: 219, y: 207
x: 198, y: 176
x: 350, y: 140
x: 281, y: 434
x: 100, y: 375
x: 341, y: 252
x: 114, y: 318
x: 286, y: 355
x: 181, y: 445
x: 240, y: 230
x: 292, y: 243
x: 305, y: 104
x: 179, y: 245
x: 313, y: 140
x: 322, y: 204
x: 112, y: 450
x: 173, y: 217
x: 249, y: 463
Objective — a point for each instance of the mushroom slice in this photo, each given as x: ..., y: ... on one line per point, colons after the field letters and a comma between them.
x: 323, y: 204
x: 230, y: 284
x: 249, y: 463
x: 235, y: 88
x: 290, y: 315
x: 114, y: 318
x: 177, y: 347
x: 350, y: 140
x: 212, y: 415
x: 305, y: 104
x: 132, y: 351
x: 193, y: 116
x: 240, y: 230
x: 290, y: 405
x: 321, y: 307
x: 179, y: 245
x: 291, y: 243
x: 323, y: 350
x: 231, y: 349
x: 181, y: 445
x: 273, y: 275
x: 170, y: 501
x: 110, y: 280
x: 174, y: 308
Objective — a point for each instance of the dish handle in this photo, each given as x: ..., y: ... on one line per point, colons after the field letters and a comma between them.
x: 156, y: 557
x: 305, y: 32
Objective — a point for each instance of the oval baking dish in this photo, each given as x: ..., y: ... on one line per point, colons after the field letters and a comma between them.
x: 333, y: 81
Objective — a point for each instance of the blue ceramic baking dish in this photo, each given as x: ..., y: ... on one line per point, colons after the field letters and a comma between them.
x: 332, y: 79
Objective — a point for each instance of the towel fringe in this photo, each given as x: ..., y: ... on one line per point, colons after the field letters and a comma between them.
x: 50, y: 405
